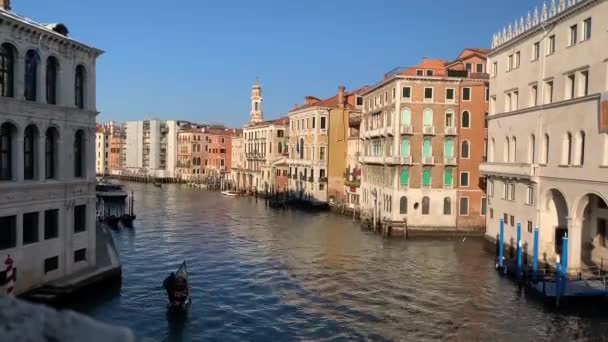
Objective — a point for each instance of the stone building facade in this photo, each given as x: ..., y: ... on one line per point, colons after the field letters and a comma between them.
x: 548, y: 131
x: 151, y: 148
x: 192, y: 154
x: 47, y: 150
x: 423, y: 135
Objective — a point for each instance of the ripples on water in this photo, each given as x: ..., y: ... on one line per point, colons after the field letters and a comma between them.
x: 264, y: 275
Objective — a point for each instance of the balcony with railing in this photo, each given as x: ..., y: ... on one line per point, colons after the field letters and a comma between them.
x: 428, y: 130
x: 406, y: 129
x: 392, y: 160
x: 450, y: 130
x: 406, y: 160
x: 428, y: 160
x: 373, y: 159
x: 518, y: 170
x: 449, y: 160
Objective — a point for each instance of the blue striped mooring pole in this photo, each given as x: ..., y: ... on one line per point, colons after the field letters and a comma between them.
x: 535, y: 254
x: 501, y: 246
x: 564, y: 262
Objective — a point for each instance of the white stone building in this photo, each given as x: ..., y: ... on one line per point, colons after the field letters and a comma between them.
x: 47, y: 151
x: 151, y: 148
x: 548, y: 131
x: 237, y: 158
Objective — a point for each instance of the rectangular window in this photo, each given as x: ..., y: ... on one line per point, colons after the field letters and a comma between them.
x: 479, y: 68
x: 487, y: 94
x: 429, y: 72
x: 534, y: 95
x: 484, y: 205
x: 468, y: 67
x: 464, y: 206
x: 322, y: 153
x: 587, y: 29
x: 359, y: 101
x: 505, y: 218
x: 80, y: 218
x: 530, y: 196
x: 570, y: 87
x: 30, y: 228
x: 491, y: 188
x: 536, y: 51
x: 448, y: 177
x: 323, y: 124
x: 404, y: 178
x: 464, y: 179
x: 507, y: 102
x: 551, y: 45
x: 428, y: 94
x: 466, y: 94
x: 549, y: 92
x: 573, y: 35
x: 512, y: 191
x: 495, y: 69
x: 510, y: 63
x: 530, y: 227
x: 51, y: 264
x: 449, y: 95
x: 419, y: 72
x: 491, y: 213
x: 517, y: 59
x: 584, y: 83
x: 407, y: 93
x: 515, y: 98
x: 394, y: 92
x: 512, y: 220
x: 8, y: 233
x: 80, y: 255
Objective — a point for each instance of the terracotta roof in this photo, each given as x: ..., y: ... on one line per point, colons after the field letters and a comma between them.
x: 333, y: 101
x: 284, y: 120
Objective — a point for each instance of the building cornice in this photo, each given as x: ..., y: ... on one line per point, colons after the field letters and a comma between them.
x: 546, y: 106
x: 30, y: 27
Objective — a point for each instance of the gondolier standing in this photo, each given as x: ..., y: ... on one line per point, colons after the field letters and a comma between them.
x: 10, y: 279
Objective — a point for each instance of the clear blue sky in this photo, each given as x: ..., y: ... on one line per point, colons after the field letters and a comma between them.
x: 197, y: 59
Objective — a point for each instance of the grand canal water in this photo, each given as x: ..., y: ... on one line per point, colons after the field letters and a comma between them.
x: 265, y: 275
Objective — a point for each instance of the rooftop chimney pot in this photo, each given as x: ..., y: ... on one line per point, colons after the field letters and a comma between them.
x: 341, y: 96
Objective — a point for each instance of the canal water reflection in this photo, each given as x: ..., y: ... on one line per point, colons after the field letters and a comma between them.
x: 263, y: 275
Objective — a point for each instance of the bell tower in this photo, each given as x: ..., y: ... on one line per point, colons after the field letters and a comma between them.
x: 256, y: 103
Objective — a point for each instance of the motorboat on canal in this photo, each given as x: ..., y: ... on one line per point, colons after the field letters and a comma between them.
x: 178, y: 288
x: 230, y: 193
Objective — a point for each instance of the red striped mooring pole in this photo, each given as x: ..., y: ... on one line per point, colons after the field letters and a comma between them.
x: 10, y: 279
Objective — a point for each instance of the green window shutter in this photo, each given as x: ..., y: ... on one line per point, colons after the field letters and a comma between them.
x: 428, y: 117
x: 404, y: 177
x: 426, y: 177
x: 447, y: 176
x: 449, y: 148
x: 406, y: 117
x: 405, y: 147
x: 426, y: 147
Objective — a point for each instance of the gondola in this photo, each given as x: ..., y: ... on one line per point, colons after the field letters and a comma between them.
x: 179, y: 292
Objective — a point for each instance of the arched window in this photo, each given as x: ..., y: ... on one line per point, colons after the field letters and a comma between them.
x: 7, y: 70
x: 30, y: 139
x: 403, y: 205
x: 405, y: 146
x: 52, y: 69
x: 513, y: 150
x: 406, y: 117
x: 32, y: 61
x: 546, y: 149
x: 448, y: 148
x: 465, y: 151
x: 449, y: 118
x: 79, y: 86
x: 532, y: 150
x: 580, y: 148
x: 50, y: 155
x: 506, y: 149
x: 428, y: 117
x: 426, y: 204
x: 567, y: 149
x: 7, y: 138
x: 79, y: 154
x: 491, y: 151
x: 466, y: 119
x: 427, y: 148
x: 447, y: 206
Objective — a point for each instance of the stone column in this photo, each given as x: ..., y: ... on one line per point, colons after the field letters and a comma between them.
x: 20, y: 76
x: 575, y: 232
x: 18, y: 154
x: 41, y: 156
x: 41, y: 82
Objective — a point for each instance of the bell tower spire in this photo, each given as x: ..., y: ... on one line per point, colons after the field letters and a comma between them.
x: 256, y: 103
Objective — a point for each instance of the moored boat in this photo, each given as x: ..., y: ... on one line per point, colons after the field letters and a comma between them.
x: 230, y: 193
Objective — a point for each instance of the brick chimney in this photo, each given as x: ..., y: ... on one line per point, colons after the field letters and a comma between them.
x: 310, y: 100
x: 5, y: 4
x: 341, y: 97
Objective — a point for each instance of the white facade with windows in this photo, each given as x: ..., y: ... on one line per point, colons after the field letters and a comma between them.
x: 47, y: 151
x: 151, y: 148
x: 102, y: 150
x: 548, y: 149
